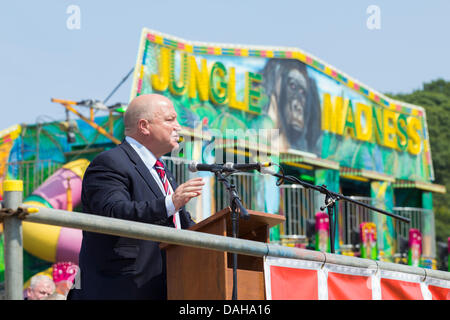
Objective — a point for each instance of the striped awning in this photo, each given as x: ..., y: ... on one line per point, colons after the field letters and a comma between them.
x: 366, y: 175
x: 293, y: 157
x: 426, y: 186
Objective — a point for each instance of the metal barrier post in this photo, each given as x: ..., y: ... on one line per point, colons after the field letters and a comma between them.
x: 13, y: 191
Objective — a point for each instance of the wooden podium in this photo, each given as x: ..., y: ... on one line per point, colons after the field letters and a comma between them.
x: 194, y: 273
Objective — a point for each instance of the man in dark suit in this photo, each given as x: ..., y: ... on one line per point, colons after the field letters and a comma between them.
x: 130, y: 182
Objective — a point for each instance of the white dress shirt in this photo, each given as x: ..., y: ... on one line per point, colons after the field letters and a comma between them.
x: 149, y: 160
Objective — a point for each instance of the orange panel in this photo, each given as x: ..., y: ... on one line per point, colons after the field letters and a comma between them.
x: 293, y: 284
x: 439, y: 293
x: 349, y: 287
x: 400, y: 290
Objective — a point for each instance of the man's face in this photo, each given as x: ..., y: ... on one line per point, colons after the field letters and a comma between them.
x: 164, y: 128
x: 40, y: 291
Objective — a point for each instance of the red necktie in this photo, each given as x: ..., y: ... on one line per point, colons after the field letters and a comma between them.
x: 159, y: 167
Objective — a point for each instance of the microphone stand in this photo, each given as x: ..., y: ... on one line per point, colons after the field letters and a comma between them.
x: 235, y: 204
x: 330, y: 200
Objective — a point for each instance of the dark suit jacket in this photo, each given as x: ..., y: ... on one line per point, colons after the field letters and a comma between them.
x: 118, y: 184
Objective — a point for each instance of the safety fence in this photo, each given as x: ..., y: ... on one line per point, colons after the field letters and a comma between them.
x: 32, y: 172
x: 245, y: 185
x: 351, y: 215
x: 244, y: 182
x: 14, y: 212
x: 299, y: 205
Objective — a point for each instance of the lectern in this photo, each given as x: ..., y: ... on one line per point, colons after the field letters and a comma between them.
x: 195, y: 273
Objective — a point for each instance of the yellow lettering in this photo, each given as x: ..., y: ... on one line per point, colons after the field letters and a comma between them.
x: 349, y: 126
x: 178, y: 87
x: 401, y: 127
x: 218, y: 89
x: 363, y: 111
x: 160, y: 81
x: 252, y: 90
x: 341, y: 112
x: 377, y: 114
x: 390, y: 137
x: 373, y: 124
x: 413, y: 126
x: 332, y: 114
x: 198, y: 79
x: 232, y: 100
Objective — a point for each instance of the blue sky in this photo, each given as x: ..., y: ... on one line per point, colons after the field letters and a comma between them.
x: 41, y: 57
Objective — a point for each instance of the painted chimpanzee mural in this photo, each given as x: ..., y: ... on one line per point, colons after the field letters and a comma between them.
x: 294, y: 104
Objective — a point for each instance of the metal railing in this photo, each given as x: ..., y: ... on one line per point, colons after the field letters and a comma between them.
x: 32, y: 172
x: 178, y: 167
x: 421, y: 219
x: 244, y: 182
x: 245, y: 187
x: 298, y: 205
x: 352, y: 215
x: 416, y: 215
x: 94, y: 223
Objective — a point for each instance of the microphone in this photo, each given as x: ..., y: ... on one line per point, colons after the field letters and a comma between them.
x: 194, y: 166
x: 265, y: 170
x: 247, y: 166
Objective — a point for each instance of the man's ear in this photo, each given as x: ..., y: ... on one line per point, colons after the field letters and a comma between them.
x: 143, y: 127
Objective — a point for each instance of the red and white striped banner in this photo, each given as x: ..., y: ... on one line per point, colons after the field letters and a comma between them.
x: 291, y: 279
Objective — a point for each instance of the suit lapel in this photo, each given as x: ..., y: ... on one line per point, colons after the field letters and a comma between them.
x: 141, y: 168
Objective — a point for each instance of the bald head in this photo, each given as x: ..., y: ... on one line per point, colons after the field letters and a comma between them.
x: 143, y: 107
x: 151, y: 120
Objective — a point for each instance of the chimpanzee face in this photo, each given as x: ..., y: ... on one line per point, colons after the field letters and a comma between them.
x: 295, y: 102
x: 295, y: 97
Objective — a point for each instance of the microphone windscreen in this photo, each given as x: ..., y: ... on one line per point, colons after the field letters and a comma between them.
x: 229, y: 165
x: 265, y: 170
x: 193, y: 166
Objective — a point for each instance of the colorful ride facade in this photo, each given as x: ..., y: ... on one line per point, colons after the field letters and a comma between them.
x: 247, y: 104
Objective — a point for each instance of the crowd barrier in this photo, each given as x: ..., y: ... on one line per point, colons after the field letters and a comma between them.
x: 14, y: 211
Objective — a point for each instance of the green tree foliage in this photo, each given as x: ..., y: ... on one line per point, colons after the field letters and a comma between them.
x: 435, y: 98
